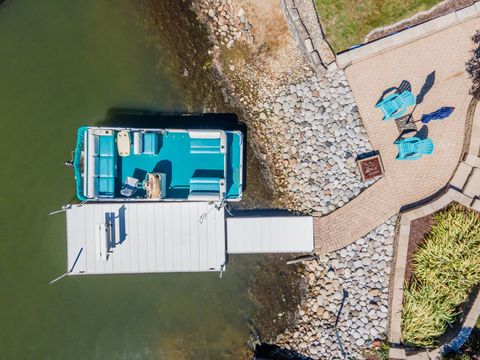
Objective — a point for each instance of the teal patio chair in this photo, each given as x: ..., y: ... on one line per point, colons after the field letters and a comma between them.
x: 395, y: 105
x: 413, y: 148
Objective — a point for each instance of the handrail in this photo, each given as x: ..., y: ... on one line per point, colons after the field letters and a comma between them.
x: 77, y: 163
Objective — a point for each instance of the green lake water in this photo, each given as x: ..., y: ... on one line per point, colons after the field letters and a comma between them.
x: 64, y: 63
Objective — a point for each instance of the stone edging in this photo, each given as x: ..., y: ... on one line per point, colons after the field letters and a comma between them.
x: 464, y: 188
x: 304, y: 38
x: 345, y: 58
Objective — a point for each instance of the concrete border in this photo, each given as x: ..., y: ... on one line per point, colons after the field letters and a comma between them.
x: 361, y: 52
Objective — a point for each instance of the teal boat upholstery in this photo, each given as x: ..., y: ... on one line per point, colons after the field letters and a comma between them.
x: 107, y: 145
x: 101, y: 165
x: 207, y: 142
x: 413, y: 148
x: 150, y: 143
x: 395, y: 105
x: 106, y: 172
x: 202, y: 185
x: 204, y: 188
x: 206, y: 146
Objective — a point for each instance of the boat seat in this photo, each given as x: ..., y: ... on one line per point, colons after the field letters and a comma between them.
x: 107, y: 145
x: 106, y: 187
x: 205, y: 146
x: 204, y: 188
x: 105, y: 167
x: 207, y: 142
x: 150, y: 143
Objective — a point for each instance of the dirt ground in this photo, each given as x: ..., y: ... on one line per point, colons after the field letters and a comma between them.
x: 418, y: 229
x: 274, y: 46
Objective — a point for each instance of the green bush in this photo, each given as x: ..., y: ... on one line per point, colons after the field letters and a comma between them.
x: 445, y: 269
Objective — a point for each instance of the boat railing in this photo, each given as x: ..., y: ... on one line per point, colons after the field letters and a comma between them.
x: 77, y: 162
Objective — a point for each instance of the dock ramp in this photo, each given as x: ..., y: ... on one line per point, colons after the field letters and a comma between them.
x: 106, y: 238
x: 269, y: 234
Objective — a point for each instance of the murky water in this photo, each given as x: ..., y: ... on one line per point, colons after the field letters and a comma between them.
x: 64, y: 64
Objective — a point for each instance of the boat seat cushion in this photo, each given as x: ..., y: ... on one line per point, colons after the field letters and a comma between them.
x: 107, y: 145
x: 106, y: 187
x: 205, y: 185
x: 205, y: 146
x: 106, y: 166
x: 102, y: 168
x: 150, y: 144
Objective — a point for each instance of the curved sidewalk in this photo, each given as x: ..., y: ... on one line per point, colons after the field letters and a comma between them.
x: 444, y: 52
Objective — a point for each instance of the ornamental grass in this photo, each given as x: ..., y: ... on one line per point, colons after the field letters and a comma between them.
x: 446, y: 267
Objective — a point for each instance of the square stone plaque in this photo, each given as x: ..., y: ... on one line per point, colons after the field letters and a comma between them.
x: 370, y: 167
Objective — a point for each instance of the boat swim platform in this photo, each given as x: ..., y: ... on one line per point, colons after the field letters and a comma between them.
x: 158, y: 237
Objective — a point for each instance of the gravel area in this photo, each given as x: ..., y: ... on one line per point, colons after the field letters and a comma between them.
x: 362, y: 270
x: 320, y: 136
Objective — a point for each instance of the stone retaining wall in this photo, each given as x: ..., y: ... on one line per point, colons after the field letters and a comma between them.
x: 304, y: 23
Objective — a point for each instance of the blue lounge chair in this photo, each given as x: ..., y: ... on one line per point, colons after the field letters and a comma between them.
x: 413, y: 148
x: 395, y: 105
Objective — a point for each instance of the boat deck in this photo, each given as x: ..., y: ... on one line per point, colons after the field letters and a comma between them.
x: 175, y: 160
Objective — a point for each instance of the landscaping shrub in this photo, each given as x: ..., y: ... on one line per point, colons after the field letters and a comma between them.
x: 445, y: 269
x: 473, y: 66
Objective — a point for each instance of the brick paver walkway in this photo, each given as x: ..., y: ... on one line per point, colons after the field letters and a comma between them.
x: 405, y: 182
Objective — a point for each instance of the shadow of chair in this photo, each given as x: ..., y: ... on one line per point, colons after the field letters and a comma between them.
x: 427, y: 85
x: 404, y: 86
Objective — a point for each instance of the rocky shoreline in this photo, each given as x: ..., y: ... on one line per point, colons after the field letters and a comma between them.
x: 304, y: 126
x: 362, y: 270
x: 321, y: 134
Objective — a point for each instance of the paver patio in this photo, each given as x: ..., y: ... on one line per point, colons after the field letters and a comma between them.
x: 405, y: 182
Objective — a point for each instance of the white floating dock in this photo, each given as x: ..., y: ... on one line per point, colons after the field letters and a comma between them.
x: 145, y: 237
x: 273, y: 234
